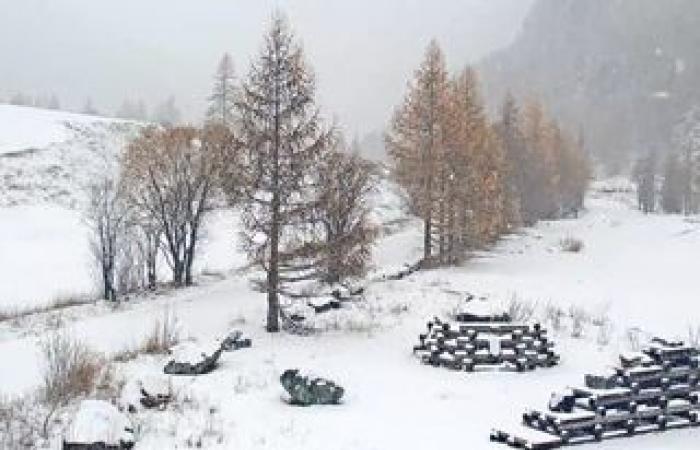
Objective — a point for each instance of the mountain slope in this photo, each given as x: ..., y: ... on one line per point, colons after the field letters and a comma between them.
x: 623, y: 70
x: 52, y: 156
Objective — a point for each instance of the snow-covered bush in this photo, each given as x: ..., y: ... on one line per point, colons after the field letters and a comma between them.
x: 578, y: 318
x: 633, y: 338
x: 694, y: 337
x: 571, y: 245
x: 20, y: 422
x: 520, y: 310
x: 71, y: 371
x: 554, y: 316
x: 605, y: 329
x: 164, y: 335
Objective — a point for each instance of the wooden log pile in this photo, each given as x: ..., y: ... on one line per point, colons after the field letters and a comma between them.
x: 651, y: 392
x: 474, y: 342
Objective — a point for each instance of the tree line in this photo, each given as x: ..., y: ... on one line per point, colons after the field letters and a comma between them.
x: 302, y: 191
x: 166, y: 112
x: 672, y: 185
x: 472, y: 179
x: 265, y: 150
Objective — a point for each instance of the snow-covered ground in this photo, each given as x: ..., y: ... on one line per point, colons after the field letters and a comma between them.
x: 52, y: 156
x: 637, y: 269
x: 23, y: 128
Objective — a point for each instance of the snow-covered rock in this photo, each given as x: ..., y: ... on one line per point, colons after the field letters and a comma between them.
x: 97, y: 422
x: 194, y: 352
x: 191, y: 358
x: 143, y: 387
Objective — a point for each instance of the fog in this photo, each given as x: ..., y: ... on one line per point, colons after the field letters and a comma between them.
x: 363, y: 51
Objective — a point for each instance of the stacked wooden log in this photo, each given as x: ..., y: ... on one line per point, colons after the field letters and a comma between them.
x: 474, y: 342
x: 650, y: 392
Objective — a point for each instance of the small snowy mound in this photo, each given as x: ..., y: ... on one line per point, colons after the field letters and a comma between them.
x: 480, y: 310
x: 143, y: 391
x: 194, y: 352
x: 194, y: 359
x: 100, y: 422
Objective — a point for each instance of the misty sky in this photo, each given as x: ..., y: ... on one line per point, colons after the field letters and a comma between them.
x: 363, y: 51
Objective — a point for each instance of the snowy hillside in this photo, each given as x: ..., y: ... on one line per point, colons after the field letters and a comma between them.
x: 50, y: 156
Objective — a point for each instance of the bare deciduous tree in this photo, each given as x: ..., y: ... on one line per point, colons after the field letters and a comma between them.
x: 172, y: 176
x: 106, y: 216
x: 345, y: 180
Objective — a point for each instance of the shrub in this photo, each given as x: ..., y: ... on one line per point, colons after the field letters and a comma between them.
x: 553, y: 316
x: 571, y: 245
x: 694, y: 337
x: 578, y: 319
x: 605, y: 329
x: 634, y: 338
x: 520, y: 310
x: 71, y: 370
x: 20, y: 422
x: 164, y: 336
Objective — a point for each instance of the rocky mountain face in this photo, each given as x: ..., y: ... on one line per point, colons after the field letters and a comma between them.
x: 624, y: 71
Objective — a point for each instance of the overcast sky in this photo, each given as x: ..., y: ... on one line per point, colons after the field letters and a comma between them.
x: 363, y: 51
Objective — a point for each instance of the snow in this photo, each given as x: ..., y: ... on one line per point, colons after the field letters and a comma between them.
x: 44, y: 256
x: 192, y: 352
x: 636, y: 270
x: 99, y: 421
x: 52, y: 156
x: 25, y: 128
x: 369, y: 350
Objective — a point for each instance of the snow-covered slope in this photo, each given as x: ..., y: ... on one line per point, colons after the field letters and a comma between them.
x: 47, y: 161
x: 639, y: 266
x: 633, y: 278
x: 50, y: 156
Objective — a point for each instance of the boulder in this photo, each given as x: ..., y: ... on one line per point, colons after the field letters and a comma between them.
x: 235, y: 341
x: 191, y: 359
x: 306, y: 391
x: 150, y: 392
x: 98, y: 425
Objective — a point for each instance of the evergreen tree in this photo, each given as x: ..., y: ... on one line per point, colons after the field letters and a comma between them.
x: 223, y: 97
x: 54, y: 102
x: 511, y: 137
x: 672, y: 187
x: 472, y: 154
x: 89, y: 108
x: 687, y: 137
x: 280, y: 127
x: 167, y: 113
x: 645, y: 177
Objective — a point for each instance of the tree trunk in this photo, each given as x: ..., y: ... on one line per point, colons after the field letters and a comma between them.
x: 189, y: 258
x: 151, y: 261
x: 178, y: 271
x: 273, y: 302
x: 151, y: 273
x: 273, y: 305
x: 427, y: 238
